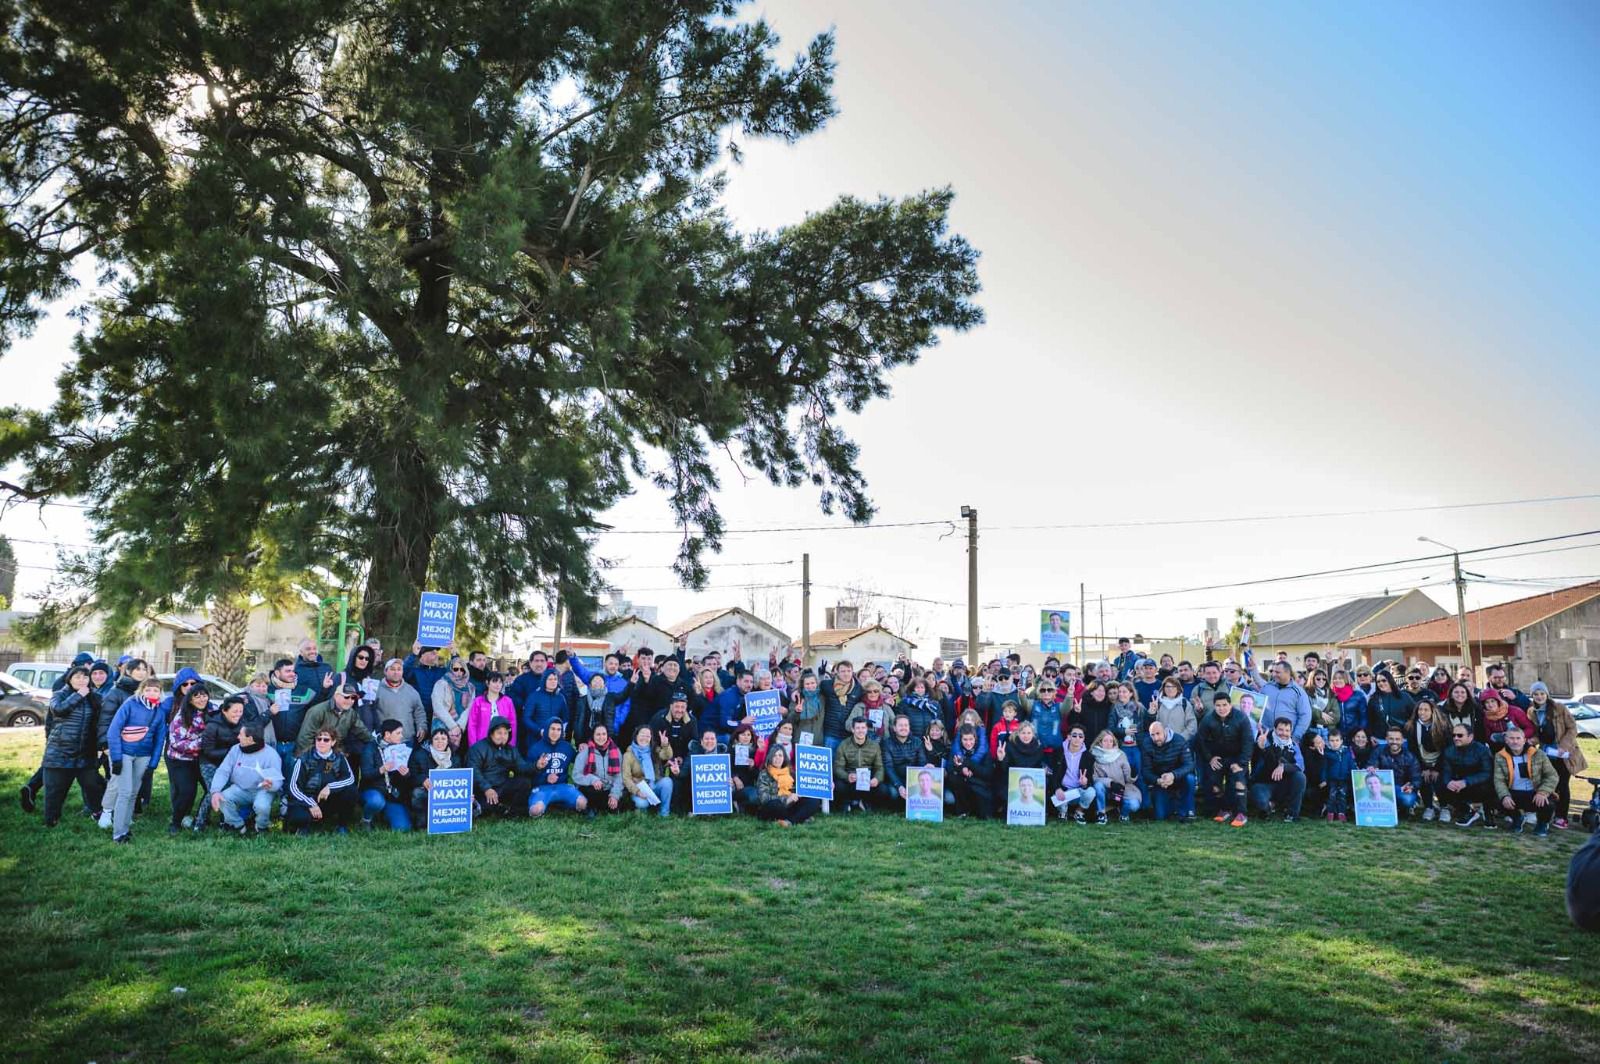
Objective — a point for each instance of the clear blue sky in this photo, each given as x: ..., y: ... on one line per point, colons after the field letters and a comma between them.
x: 1238, y: 259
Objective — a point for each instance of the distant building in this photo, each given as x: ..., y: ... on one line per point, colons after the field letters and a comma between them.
x: 1554, y: 637
x: 636, y: 632
x: 620, y: 606
x: 1336, y: 626
x: 719, y: 629
x: 856, y: 645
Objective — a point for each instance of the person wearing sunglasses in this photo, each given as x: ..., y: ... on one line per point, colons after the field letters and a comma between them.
x: 452, y: 698
x: 1465, y: 770
x: 322, y: 788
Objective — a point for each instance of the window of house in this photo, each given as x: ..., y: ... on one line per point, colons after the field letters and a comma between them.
x: 185, y: 658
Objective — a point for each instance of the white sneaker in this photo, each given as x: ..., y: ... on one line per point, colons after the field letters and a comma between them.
x: 1444, y: 815
x: 104, y: 821
x: 1429, y: 814
x: 1529, y: 820
x: 188, y: 822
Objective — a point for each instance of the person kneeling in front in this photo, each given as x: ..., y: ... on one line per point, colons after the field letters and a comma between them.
x: 1168, y: 767
x: 322, y: 789
x: 249, y: 779
x: 1525, y: 783
x: 552, y: 757
x: 502, y: 778
x: 1466, y: 770
x: 646, y: 772
x: 775, y: 790
x: 1280, y: 773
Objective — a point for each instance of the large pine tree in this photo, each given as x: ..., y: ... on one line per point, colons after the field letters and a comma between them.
x: 406, y: 293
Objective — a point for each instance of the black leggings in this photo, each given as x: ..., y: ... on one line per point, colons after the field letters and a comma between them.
x: 794, y: 812
x: 58, y: 782
x: 338, y: 811
x: 973, y: 796
x: 183, y: 777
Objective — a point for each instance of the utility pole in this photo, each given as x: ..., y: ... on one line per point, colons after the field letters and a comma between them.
x: 1461, y: 600
x: 972, y: 584
x: 555, y: 637
x: 1102, y: 622
x: 1083, y: 619
x: 805, y: 609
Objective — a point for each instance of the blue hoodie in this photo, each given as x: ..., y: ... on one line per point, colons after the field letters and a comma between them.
x: 541, y: 708
x: 560, y: 753
x: 132, y: 716
x: 184, y: 673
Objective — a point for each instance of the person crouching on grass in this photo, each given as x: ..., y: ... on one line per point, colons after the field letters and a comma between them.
x: 1525, y: 783
x: 502, y: 779
x: 775, y: 790
x: 436, y: 753
x: 249, y: 779
x: 552, y: 757
x: 646, y: 772
x: 322, y: 789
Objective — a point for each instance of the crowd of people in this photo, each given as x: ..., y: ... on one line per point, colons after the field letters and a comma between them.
x: 325, y: 749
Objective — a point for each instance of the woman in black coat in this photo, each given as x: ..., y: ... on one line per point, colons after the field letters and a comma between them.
x: 70, y: 747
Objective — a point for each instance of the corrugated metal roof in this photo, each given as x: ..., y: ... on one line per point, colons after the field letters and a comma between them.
x: 1332, y: 625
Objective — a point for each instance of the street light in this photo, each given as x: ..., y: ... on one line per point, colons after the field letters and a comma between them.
x: 1461, y: 600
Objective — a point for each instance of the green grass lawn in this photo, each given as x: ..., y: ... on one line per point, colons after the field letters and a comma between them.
x: 849, y: 938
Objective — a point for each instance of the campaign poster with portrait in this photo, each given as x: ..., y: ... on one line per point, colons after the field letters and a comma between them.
x: 1055, y: 631
x: 1025, y: 797
x: 925, y: 793
x: 1374, y: 798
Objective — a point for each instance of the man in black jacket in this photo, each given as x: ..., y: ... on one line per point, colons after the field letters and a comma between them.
x: 502, y: 778
x: 902, y: 752
x: 1222, y: 748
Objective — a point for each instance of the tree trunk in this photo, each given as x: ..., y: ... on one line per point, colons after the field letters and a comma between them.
x: 405, y: 525
x: 224, y: 649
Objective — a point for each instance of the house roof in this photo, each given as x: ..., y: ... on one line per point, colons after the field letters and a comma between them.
x: 1332, y: 625
x: 705, y: 617
x: 1492, y: 624
x: 838, y: 637
x: 633, y: 618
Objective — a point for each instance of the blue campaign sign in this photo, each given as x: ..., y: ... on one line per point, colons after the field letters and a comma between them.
x: 449, y: 801
x: 767, y: 709
x: 813, y: 772
x: 710, y: 784
x: 436, y: 619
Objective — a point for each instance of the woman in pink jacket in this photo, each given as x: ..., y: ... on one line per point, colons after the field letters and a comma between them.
x: 487, y: 706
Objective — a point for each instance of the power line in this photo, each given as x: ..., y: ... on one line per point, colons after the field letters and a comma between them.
x: 939, y: 522
x: 1352, y: 568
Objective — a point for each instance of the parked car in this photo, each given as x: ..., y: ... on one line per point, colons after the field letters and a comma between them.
x: 19, y: 707
x: 26, y: 688
x: 39, y: 673
x: 1587, y: 718
x: 219, y: 687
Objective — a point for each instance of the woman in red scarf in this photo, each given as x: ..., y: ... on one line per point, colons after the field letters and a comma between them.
x: 597, y: 771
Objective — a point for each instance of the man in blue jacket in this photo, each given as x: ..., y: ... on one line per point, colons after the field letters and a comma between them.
x: 423, y: 671
x: 311, y: 672
x: 727, y: 712
x: 135, y: 736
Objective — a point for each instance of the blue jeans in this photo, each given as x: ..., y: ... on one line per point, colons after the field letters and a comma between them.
x: 374, y: 801
x: 235, y: 799
x: 1135, y: 759
x: 1180, y: 794
x: 663, y: 788
x: 1102, y: 792
x: 552, y: 795
x: 832, y: 742
x: 1406, y: 802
